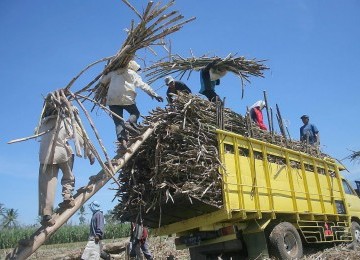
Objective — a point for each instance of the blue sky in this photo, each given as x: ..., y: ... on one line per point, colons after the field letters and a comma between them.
x: 311, y: 47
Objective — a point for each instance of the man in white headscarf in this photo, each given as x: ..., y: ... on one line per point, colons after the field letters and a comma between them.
x: 94, y: 246
x: 256, y: 114
x: 121, y: 96
x: 56, y: 154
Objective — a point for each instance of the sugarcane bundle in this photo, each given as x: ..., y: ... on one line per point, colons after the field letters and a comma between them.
x: 181, y: 157
x: 240, y: 66
x: 354, y: 156
x: 155, y: 23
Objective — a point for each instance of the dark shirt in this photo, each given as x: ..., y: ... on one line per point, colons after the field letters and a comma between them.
x: 97, y: 225
x: 179, y: 86
x: 309, y: 130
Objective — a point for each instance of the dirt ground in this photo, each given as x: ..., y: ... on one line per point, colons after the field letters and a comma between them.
x: 163, y: 248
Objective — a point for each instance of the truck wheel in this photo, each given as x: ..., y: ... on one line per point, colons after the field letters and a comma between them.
x: 355, y: 232
x: 285, y: 242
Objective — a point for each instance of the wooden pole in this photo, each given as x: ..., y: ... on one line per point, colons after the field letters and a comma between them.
x: 30, y: 137
x: 281, y: 125
x: 267, y: 111
x: 43, y: 233
x: 248, y: 122
x: 272, y: 122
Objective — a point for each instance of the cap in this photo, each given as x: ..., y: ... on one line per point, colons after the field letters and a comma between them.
x: 94, y: 206
x: 304, y: 116
x: 168, y: 80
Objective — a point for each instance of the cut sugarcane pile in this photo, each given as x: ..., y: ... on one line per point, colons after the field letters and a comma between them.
x: 240, y: 66
x: 182, y: 156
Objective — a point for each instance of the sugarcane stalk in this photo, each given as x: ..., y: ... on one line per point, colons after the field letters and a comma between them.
x: 110, y: 171
x: 73, y: 122
x: 267, y: 111
x: 30, y: 137
x: 85, y: 69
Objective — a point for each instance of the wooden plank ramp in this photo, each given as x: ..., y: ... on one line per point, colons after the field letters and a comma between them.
x: 24, y: 249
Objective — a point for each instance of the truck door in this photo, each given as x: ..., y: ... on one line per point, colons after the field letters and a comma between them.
x: 352, y: 200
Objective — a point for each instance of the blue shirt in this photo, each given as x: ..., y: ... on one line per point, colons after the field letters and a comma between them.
x: 309, y: 130
x: 97, y: 225
x: 206, y: 82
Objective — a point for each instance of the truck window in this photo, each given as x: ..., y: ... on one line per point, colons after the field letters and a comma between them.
x: 347, y: 188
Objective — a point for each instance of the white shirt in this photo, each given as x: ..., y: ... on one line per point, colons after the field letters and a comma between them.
x: 122, y: 83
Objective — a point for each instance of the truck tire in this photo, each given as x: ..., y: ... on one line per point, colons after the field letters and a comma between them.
x: 285, y: 242
x: 355, y: 232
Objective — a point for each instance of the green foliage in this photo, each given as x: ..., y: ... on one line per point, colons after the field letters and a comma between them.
x: 110, y: 218
x: 9, y: 219
x: 2, y: 210
x: 10, y: 237
x: 66, y: 234
x: 82, y: 213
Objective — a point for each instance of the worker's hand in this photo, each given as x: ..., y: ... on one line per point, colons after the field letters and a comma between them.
x: 97, y: 239
x: 159, y: 99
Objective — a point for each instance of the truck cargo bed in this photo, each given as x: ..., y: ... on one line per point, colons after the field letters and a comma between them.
x: 183, y: 207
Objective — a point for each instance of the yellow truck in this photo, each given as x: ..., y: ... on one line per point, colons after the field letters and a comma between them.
x: 274, y: 200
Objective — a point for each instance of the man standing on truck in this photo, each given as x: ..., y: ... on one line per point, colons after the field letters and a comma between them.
x: 256, y: 114
x: 308, y: 132
x: 174, y: 86
x: 209, y: 78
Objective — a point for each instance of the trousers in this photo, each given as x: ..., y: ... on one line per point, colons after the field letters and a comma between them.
x: 135, y: 247
x: 92, y: 251
x: 120, y: 124
x: 48, y: 175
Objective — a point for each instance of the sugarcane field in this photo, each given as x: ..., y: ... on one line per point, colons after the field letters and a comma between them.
x: 209, y: 130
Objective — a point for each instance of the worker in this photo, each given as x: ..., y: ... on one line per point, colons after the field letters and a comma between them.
x: 121, y: 96
x: 209, y: 78
x: 139, y: 239
x: 56, y: 153
x: 309, y: 132
x: 256, y: 114
x: 93, y: 249
x: 175, y: 86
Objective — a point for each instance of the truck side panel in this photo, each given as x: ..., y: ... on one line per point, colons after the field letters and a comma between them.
x: 259, y: 177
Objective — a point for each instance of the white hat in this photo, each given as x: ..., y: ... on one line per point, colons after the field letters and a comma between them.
x: 261, y: 104
x: 133, y: 66
x: 168, y: 80
x: 94, y: 206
